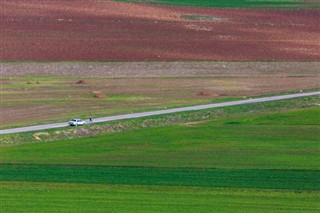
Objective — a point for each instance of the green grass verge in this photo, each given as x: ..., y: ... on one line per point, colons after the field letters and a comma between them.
x: 56, y: 197
x: 274, y: 141
x: 253, y: 4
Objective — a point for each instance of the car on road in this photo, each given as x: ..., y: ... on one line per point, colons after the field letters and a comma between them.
x: 76, y: 122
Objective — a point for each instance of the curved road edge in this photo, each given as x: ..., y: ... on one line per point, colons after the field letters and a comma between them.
x: 162, y: 112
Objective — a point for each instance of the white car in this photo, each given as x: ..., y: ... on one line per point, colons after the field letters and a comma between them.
x: 76, y: 122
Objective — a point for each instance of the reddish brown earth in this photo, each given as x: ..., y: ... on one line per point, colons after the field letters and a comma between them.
x: 103, y: 30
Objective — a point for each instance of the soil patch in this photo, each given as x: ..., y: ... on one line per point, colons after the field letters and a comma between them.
x: 98, y: 94
x: 207, y: 94
x: 38, y: 135
x: 80, y: 82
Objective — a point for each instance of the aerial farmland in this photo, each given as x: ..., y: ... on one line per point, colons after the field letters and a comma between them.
x: 62, y: 60
x: 114, y: 31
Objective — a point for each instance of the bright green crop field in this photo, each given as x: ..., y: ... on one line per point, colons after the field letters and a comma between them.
x: 285, y: 140
x: 257, y: 163
x: 65, y: 197
x: 62, y: 197
x: 253, y: 4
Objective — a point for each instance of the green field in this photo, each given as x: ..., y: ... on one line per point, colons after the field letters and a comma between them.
x: 54, y: 197
x: 259, y: 142
x: 254, y: 4
x: 248, y: 163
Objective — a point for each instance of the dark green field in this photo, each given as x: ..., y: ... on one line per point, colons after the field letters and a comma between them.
x: 236, y: 164
x: 195, y: 177
x: 254, y: 4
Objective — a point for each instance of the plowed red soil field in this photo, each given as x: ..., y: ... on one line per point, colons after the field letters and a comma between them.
x: 89, y: 30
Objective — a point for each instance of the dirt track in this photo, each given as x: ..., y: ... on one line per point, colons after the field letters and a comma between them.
x: 163, y: 69
x: 105, y: 31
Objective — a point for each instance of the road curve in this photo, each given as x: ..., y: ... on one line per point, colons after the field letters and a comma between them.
x: 161, y: 112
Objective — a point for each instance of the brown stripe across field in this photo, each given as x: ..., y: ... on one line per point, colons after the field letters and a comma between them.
x: 94, y: 30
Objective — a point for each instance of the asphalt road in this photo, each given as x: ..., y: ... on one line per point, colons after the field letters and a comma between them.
x: 161, y: 112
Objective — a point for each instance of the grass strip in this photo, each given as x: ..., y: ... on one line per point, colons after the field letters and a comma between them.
x: 253, y: 4
x: 66, y: 197
x: 260, y: 179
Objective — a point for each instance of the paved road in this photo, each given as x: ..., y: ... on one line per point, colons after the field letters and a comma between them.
x: 161, y: 112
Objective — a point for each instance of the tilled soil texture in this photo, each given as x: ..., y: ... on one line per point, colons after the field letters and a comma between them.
x: 91, y: 30
x: 163, y: 69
